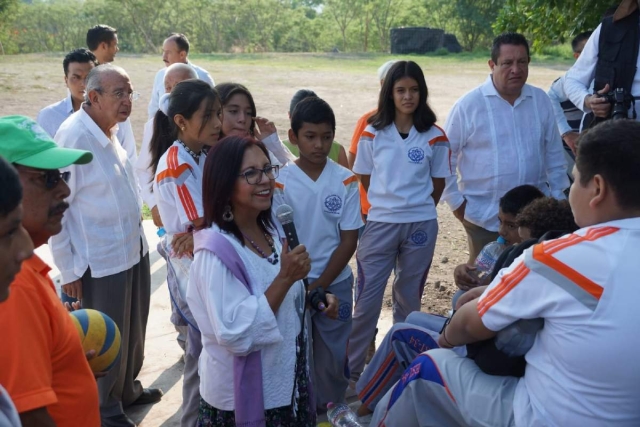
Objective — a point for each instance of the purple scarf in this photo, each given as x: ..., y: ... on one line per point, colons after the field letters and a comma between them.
x: 247, y: 370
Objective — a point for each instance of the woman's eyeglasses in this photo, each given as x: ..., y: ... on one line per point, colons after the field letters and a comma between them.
x: 254, y: 176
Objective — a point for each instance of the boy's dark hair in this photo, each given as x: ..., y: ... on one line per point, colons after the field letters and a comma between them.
x: 423, y: 117
x: 547, y: 214
x: 100, y: 34
x: 10, y: 188
x: 579, y: 39
x: 312, y: 110
x: 509, y: 38
x: 228, y: 90
x: 611, y: 149
x: 220, y: 175
x: 82, y: 56
x: 299, y: 96
x: 517, y: 198
x: 185, y: 99
x: 181, y: 41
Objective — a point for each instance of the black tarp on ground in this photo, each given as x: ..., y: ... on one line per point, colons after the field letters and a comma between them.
x: 422, y: 40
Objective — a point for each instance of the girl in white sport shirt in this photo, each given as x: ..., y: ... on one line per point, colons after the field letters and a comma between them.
x: 188, y: 121
x: 402, y: 160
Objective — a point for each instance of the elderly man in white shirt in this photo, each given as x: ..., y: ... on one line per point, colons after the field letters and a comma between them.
x: 77, y: 64
x: 503, y: 134
x: 175, y: 74
x: 102, y: 252
x: 175, y: 49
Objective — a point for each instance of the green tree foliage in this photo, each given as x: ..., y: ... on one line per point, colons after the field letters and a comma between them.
x: 241, y: 25
x: 547, y: 21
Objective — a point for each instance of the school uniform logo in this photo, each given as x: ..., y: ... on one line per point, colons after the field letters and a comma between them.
x: 419, y: 237
x: 344, y: 311
x: 416, y: 155
x: 333, y: 204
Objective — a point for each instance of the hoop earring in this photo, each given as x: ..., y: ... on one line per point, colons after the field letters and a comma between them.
x: 227, y: 216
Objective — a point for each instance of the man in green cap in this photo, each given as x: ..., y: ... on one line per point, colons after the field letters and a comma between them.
x: 44, y: 367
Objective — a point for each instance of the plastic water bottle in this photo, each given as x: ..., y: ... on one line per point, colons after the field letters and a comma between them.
x: 517, y: 339
x: 340, y: 415
x: 488, y: 257
x: 161, y: 232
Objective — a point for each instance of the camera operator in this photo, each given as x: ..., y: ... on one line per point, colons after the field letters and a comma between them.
x: 610, y: 60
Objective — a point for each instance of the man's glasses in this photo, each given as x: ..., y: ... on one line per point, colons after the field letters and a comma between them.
x: 51, y: 177
x: 254, y: 176
x: 120, y: 95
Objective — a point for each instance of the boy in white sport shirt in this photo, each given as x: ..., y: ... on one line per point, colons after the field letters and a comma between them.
x: 582, y: 369
x: 326, y: 207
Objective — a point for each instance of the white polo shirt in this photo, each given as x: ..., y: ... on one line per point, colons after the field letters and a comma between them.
x: 583, y: 367
x: 401, y: 171
x: 321, y: 209
x: 178, y: 188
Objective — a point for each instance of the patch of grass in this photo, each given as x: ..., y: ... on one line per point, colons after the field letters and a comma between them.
x: 146, y: 212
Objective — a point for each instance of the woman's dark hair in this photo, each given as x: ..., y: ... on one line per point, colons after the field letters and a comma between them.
x: 228, y: 90
x: 423, y: 117
x: 299, y: 96
x: 221, y: 170
x: 185, y: 99
x: 547, y: 214
x: 11, y: 189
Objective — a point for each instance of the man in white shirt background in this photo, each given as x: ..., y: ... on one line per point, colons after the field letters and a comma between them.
x: 175, y: 74
x: 102, y: 252
x: 175, y: 49
x: 503, y: 134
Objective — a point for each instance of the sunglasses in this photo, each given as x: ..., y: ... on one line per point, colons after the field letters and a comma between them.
x: 51, y: 177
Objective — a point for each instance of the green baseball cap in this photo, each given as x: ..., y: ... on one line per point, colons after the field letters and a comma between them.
x: 24, y: 142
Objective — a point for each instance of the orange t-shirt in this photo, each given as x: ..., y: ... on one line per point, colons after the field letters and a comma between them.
x: 353, y: 149
x: 41, y: 360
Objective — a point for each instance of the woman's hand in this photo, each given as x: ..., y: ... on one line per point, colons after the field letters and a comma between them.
x: 295, y: 264
x: 331, y: 311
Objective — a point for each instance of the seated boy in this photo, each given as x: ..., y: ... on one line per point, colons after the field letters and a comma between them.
x: 420, y: 332
x: 326, y: 208
x: 510, y: 206
x: 584, y: 288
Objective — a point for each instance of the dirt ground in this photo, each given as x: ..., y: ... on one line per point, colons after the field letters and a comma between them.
x: 31, y: 82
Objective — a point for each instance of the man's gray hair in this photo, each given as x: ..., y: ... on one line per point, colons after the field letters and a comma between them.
x: 179, y: 68
x: 96, y: 77
x: 384, y: 69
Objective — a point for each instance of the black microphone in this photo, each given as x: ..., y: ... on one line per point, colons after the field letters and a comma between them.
x: 284, y: 213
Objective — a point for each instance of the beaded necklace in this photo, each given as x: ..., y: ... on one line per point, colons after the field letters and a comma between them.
x: 193, y: 154
x: 273, y: 258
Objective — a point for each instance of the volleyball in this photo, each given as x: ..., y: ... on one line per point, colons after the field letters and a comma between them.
x: 100, y: 333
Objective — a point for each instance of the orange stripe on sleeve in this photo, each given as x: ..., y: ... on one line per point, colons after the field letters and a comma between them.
x: 368, y: 134
x: 588, y: 285
x: 350, y: 180
x: 279, y: 186
x: 507, y: 283
x: 172, y: 158
x: 187, y: 203
x: 437, y: 139
x: 173, y: 172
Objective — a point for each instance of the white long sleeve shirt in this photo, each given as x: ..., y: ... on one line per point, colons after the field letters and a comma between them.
x: 102, y: 228
x: 577, y: 84
x: 50, y: 118
x: 497, y: 146
x: 158, y: 86
x: 234, y: 322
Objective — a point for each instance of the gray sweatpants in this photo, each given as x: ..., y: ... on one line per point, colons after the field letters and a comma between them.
x: 330, y: 339
x: 441, y: 388
x: 400, y: 346
x: 384, y: 246
x: 190, y: 385
x: 124, y: 297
